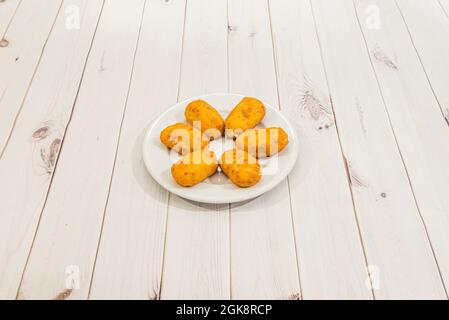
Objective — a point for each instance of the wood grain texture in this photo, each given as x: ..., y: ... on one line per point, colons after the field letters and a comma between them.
x: 63, y: 253
x: 20, y: 53
x: 27, y: 165
x: 263, y: 256
x: 129, y: 264
x: 395, y: 239
x: 331, y: 260
x: 8, y: 10
x: 417, y: 122
x: 428, y: 26
x: 196, y: 264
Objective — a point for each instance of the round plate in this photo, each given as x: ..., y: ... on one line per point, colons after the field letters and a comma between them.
x: 218, y: 188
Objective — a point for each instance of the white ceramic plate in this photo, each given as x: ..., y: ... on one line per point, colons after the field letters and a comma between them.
x: 217, y: 189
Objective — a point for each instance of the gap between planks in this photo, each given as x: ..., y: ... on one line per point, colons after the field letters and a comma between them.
x: 445, y: 116
x: 169, y: 194
x: 8, y: 24
x: 117, y: 146
x: 276, y: 72
x: 348, y: 174
x: 396, y: 140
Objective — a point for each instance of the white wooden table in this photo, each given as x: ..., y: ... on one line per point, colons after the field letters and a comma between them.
x: 364, y: 215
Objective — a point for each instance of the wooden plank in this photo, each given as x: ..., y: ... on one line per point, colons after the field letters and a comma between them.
x: 20, y: 53
x: 416, y: 118
x: 196, y: 264
x: 397, y: 248
x: 331, y: 259
x: 263, y: 252
x: 8, y: 9
x: 137, y: 237
x: 26, y: 176
x: 62, y: 258
x: 428, y: 27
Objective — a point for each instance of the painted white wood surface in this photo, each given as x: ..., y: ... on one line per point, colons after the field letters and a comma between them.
x: 27, y: 165
x: 8, y: 9
x: 263, y: 256
x: 20, y: 54
x: 100, y: 219
x: 397, y: 247
x: 428, y: 24
x: 196, y: 259
x: 66, y: 242
x: 331, y: 259
x: 129, y: 264
x: 417, y: 122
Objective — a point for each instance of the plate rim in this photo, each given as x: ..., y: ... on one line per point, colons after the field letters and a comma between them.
x: 245, y: 194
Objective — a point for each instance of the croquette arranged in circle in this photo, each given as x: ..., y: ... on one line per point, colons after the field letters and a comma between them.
x: 194, y: 168
x: 183, y: 138
x: 241, y: 168
x: 206, y: 118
